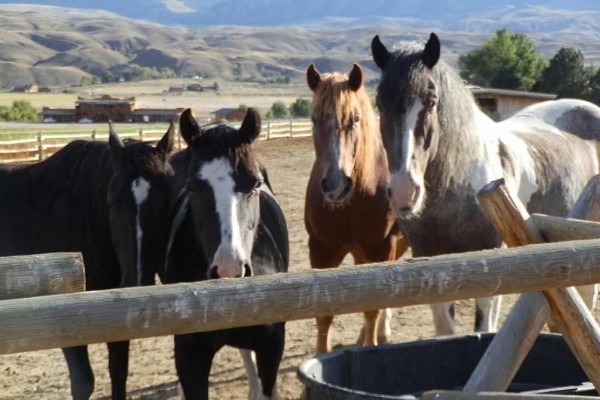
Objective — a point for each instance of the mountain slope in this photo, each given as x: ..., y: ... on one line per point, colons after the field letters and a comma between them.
x: 51, y: 45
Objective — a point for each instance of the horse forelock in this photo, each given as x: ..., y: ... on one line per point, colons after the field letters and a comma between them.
x: 459, y: 145
x: 146, y: 159
x: 333, y: 97
x: 225, y: 142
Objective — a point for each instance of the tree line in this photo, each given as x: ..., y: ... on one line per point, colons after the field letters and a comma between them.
x: 510, y: 61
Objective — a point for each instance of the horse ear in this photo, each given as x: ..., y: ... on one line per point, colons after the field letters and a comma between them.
x: 381, y: 55
x: 115, y: 144
x: 313, y: 77
x: 167, y: 143
x: 431, y: 54
x: 188, y: 127
x: 356, y: 77
x: 251, y: 125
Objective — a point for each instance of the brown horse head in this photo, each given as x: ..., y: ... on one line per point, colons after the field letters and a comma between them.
x: 343, y: 121
x: 408, y: 99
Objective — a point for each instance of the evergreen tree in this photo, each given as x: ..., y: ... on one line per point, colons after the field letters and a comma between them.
x: 507, y: 60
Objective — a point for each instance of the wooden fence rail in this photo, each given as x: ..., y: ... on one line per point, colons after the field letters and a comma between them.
x: 44, y: 144
x: 40, y: 275
x: 122, y: 314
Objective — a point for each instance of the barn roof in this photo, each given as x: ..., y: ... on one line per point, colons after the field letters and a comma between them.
x: 476, y: 90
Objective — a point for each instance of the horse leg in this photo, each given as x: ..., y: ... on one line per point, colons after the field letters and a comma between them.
x: 487, y: 311
x: 268, y: 358
x: 322, y: 256
x: 384, y: 330
x: 255, y: 387
x: 80, y: 372
x: 193, y: 360
x: 589, y: 295
x: 118, y: 366
x: 390, y: 249
x: 443, y: 318
x: 401, y: 247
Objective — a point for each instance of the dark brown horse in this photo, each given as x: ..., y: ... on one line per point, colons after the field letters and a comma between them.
x: 347, y: 209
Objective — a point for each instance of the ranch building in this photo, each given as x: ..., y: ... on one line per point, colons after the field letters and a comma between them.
x: 108, y: 108
x: 64, y: 115
x: 104, y: 109
x: 156, y: 114
x: 500, y: 104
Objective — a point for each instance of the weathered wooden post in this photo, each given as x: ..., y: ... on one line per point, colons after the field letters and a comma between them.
x: 268, y: 130
x: 122, y: 314
x: 40, y: 275
x: 40, y: 146
x: 93, y: 135
x: 291, y: 127
x: 509, y: 348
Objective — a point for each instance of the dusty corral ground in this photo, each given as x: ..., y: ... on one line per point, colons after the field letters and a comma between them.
x: 43, y: 374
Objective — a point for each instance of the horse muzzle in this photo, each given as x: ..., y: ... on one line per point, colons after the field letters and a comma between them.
x: 405, y: 195
x: 337, y: 191
x: 240, y: 270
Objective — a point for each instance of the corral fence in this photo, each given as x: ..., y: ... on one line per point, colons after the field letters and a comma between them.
x: 73, y: 319
x: 37, y: 146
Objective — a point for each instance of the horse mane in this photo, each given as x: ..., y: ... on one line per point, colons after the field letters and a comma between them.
x: 225, y: 141
x: 77, y: 165
x: 459, y: 142
x: 334, y: 95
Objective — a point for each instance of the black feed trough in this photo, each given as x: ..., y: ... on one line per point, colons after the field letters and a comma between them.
x: 406, y: 370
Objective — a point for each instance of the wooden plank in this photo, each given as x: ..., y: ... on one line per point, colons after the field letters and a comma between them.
x: 511, y: 345
x: 18, y: 160
x: 41, y: 274
x: 122, y: 314
x: 17, y: 150
x: 558, y: 229
x: 17, y: 141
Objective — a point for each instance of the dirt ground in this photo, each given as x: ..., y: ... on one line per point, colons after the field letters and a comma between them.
x: 43, y: 374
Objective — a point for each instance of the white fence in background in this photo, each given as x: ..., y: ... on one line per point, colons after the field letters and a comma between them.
x: 42, y: 145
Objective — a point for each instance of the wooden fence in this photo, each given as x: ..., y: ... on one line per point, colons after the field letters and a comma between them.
x: 41, y: 145
x: 74, y: 319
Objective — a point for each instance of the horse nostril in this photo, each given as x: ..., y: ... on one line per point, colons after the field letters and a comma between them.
x: 213, y: 273
x: 247, y: 270
x: 324, y: 187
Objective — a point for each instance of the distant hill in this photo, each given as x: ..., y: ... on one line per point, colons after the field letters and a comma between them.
x: 53, y: 45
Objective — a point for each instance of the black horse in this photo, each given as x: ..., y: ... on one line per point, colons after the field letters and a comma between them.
x: 108, y: 201
x: 228, y: 225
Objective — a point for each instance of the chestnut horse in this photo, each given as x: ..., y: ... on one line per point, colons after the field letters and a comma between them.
x: 347, y: 209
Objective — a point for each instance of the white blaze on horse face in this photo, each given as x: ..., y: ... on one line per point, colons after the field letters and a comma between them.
x: 140, y: 188
x: 230, y: 252
x: 405, y: 184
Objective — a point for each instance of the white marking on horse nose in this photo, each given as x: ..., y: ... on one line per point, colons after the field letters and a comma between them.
x: 408, y: 134
x: 140, y: 188
x: 219, y: 175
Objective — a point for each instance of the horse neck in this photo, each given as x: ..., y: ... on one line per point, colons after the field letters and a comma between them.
x: 465, y: 149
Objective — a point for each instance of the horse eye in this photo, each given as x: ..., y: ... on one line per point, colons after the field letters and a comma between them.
x: 256, y: 187
x: 430, y: 104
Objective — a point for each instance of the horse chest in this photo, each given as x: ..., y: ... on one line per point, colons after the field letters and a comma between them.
x: 452, y: 224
